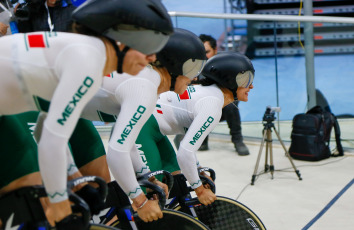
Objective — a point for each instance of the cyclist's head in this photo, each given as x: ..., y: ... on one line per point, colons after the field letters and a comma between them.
x: 143, y: 25
x: 229, y: 70
x: 183, y: 54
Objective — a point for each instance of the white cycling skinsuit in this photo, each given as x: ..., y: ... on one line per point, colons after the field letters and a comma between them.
x: 129, y: 101
x: 194, y: 113
x: 63, y: 68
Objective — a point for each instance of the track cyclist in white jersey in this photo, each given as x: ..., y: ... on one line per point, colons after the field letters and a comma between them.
x: 67, y: 70
x: 131, y: 100
x: 195, y: 113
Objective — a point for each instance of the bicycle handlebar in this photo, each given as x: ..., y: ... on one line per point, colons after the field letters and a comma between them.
x: 207, y: 169
x: 102, y: 186
x: 206, y: 180
x: 144, y: 182
x: 156, y: 190
x: 168, y: 176
x: 80, y: 206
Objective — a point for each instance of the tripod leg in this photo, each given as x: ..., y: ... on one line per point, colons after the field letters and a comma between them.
x: 258, y: 158
x: 266, y: 165
x: 271, y: 166
x: 288, y: 155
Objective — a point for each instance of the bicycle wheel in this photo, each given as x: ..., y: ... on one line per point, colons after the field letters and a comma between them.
x: 172, y: 220
x: 225, y: 214
x: 101, y: 227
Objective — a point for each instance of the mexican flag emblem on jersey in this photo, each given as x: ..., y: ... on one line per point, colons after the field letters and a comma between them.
x: 184, y: 96
x: 109, y: 75
x: 158, y: 109
x: 38, y: 40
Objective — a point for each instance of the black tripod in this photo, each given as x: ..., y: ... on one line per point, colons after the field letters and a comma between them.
x: 267, y: 136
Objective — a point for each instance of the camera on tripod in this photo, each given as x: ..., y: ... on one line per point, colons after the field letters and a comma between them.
x: 269, y: 114
x: 268, y: 127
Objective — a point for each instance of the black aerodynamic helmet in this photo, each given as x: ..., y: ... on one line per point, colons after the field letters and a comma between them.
x: 143, y: 25
x: 184, y: 54
x: 230, y: 70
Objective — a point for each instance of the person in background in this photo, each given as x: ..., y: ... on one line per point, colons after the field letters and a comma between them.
x: 3, y: 29
x: 44, y: 15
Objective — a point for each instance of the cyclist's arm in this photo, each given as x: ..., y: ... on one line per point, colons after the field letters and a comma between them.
x: 207, y: 114
x: 80, y: 71
x: 137, y: 97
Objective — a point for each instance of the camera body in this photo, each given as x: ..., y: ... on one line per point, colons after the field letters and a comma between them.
x: 269, y: 114
x: 26, y: 7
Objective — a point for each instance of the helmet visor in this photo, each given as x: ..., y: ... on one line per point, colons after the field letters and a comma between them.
x: 144, y: 41
x: 244, y: 79
x: 192, y: 68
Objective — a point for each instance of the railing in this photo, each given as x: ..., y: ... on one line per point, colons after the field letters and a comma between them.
x: 280, y: 78
x: 262, y: 17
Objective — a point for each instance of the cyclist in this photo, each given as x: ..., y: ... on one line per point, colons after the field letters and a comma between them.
x: 67, y: 69
x: 195, y: 113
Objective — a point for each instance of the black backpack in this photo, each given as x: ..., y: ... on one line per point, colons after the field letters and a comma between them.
x: 311, y: 135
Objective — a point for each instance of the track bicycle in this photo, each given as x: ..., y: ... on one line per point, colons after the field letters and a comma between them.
x: 22, y: 209
x: 119, y: 213
x: 223, y: 214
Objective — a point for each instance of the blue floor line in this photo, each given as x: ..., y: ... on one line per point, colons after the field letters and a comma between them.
x: 328, y: 205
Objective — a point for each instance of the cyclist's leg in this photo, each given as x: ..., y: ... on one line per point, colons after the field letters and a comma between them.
x: 97, y: 167
x: 18, y: 158
x: 147, y: 144
x: 168, y: 155
x: 28, y: 120
x: 88, y: 150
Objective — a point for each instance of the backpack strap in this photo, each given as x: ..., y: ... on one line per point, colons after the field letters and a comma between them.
x: 337, y: 134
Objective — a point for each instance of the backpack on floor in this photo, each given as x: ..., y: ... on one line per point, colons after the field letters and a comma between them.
x: 311, y: 134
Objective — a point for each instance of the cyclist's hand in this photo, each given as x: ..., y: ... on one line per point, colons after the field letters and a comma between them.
x: 56, y: 212
x: 208, y: 177
x: 148, y: 210
x: 162, y: 185
x: 92, y: 197
x: 205, y: 196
